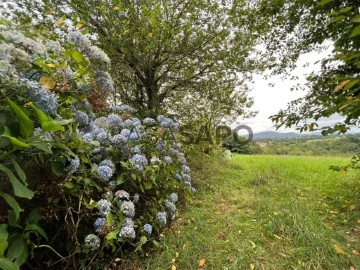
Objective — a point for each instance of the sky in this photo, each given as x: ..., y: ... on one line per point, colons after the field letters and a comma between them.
x: 268, y: 100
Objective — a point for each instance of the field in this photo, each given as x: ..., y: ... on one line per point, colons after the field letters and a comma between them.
x: 266, y: 212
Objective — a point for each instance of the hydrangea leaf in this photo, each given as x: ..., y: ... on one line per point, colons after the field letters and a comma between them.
x: 13, y: 204
x: 3, y: 239
x: 26, y: 124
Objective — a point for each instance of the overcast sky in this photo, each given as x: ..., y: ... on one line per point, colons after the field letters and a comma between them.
x: 269, y: 100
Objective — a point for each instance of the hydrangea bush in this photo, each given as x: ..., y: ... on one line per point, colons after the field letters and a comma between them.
x: 118, y: 178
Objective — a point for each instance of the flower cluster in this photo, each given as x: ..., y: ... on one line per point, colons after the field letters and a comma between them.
x: 99, y: 60
x: 92, y: 242
x: 120, y: 155
x: 139, y: 162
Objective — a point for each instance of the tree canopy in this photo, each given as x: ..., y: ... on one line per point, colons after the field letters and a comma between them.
x: 170, y: 55
x: 335, y: 89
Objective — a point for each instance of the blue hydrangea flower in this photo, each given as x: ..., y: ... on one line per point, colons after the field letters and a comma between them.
x: 177, y: 176
x: 182, y: 160
x: 115, y: 121
x: 186, y: 177
x: 105, y: 173
x: 125, y: 132
x: 122, y: 194
x: 74, y: 165
x: 99, y: 224
x: 127, y: 208
x: 155, y: 160
x: 107, y: 162
x: 128, y: 222
x: 149, y: 121
x: 185, y: 169
x: 128, y: 123
x: 161, y: 219
x: 82, y: 118
x: 170, y: 206
x: 127, y: 232
x: 112, y: 185
x: 174, y: 197
x: 123, y: 108
x: 168, y: 159
x: 134, y: 136
x: 43, y: 98
x: 118, y: 140
x: 173, y: 152
x: 139, y: 162
x: 148, y: 228
x: 127, y: 229
x: 161, y: 146
x: 102, y: 122
x: 135, y: 150
x: 161, y: 118
x: 104, y: 81
x: 102, y: 137
x: 92, y: 241
x: 87, y: 137
x: 104, y: 207
x: 136, y: 198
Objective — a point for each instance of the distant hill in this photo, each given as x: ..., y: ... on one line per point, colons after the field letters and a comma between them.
x: 281, y: 135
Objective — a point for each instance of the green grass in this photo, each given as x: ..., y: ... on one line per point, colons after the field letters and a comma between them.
x: 270, y: 212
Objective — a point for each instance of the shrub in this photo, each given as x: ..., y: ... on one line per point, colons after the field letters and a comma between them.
x: 111, y: 179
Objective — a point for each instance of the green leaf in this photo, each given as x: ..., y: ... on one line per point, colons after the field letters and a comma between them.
x: 3, y: 239
x: 355, y: 32
x: 36, y: 228
x: 351, y: 84
x: 77, y: 56
x: 43, y: 146
x: 51, y: 126
x: 42, y: 116
x: 143, y: 240
x: 19, y: 189
x: 336, y: 19
x: 109, y: 219
x: 13, y: 222
x: 148, y: 185
x: 324, y: 2
x: 111, y: 235
x: 12, y: 203
x: 34, y: 216
x: 26, y: 125
x: 18, y: 251
x: 356, y: 19
x: 15, y: 142
x: 6, y: 264
x: 19, y: 171
x: 346, y: 9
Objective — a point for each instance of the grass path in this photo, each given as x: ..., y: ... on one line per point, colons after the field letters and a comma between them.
x: 267, y: 212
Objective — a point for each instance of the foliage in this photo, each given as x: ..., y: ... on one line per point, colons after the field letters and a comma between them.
x: 317, y: 146
x: 111, y: 178
x: 169, y: 56
x: 241, y: 146
x: 335, y: 89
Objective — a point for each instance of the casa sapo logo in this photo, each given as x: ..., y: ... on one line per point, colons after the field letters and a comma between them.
x: 203, y: 134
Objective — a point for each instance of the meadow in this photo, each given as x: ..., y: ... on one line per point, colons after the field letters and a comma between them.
x: 265, y: 212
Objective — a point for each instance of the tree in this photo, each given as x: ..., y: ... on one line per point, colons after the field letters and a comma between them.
x: 304, y: 25
x: 164, y: 52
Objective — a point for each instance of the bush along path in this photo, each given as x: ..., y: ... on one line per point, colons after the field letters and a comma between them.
x: 81, y: 181
x: 266, y: 212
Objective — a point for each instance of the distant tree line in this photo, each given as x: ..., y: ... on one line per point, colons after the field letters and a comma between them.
x: 314, y: 146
